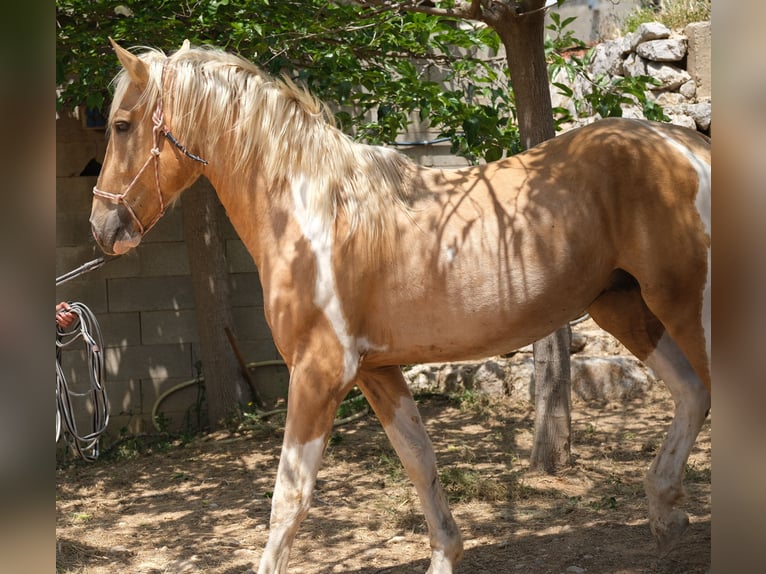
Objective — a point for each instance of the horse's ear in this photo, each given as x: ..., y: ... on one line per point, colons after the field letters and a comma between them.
x: 185, y: 46
x: 135, y: 66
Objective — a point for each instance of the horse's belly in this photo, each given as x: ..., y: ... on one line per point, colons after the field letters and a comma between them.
x: 469, y: 327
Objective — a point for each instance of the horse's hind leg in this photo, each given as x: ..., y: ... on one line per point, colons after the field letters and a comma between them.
x: 623, y: 312
x: 664, y: 479
x: 312, y: 403
x: 387, y: 393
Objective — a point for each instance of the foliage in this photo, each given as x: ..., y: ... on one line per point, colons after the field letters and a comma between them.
x: 605, y: 95
x: 379, y: 68
x: 466, y: 485
x: 675, y: 14
x: 355, y: 402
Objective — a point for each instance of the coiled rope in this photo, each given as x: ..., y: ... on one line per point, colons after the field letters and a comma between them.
x: 85, y: 327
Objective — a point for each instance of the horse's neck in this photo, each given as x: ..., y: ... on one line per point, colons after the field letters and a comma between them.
x: 248, y: 203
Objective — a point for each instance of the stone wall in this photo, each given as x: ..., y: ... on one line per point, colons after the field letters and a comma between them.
x: 679, y: 60
x: 602, y: 370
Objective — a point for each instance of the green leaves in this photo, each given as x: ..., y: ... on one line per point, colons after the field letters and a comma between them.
x: 604, y: 95
x: 478, y: 130
x: 380, y: 69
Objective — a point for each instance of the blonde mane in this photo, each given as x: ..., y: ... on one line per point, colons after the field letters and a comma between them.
x: 277, y: 128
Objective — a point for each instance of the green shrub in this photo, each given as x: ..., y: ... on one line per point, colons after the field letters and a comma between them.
x: 675, y: 14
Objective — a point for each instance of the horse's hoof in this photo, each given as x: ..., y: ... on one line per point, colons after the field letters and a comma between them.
x: 440, y: 564
x: 668, y: 532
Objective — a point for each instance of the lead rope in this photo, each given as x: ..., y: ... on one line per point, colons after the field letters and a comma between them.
x: 94, y: 399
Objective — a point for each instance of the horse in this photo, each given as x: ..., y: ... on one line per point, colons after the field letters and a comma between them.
x: 369, y: 261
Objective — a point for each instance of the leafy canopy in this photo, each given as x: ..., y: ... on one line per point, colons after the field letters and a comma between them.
x: 380, y: 68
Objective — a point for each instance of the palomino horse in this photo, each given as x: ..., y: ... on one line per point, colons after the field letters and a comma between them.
x: 368, y: 261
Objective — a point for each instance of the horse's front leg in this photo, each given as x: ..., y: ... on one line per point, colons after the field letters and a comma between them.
x: 313, y: 400
x: 387, y: 393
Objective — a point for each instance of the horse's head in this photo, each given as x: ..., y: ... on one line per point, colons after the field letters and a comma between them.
x: 142, y: 173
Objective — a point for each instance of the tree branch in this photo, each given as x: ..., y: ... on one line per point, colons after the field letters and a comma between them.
x: 464, y: 10
x: 491, y: 12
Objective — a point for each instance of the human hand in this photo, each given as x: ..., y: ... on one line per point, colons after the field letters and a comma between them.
x: 64, y: 317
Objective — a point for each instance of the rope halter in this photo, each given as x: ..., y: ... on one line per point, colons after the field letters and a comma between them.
x: 158, y: 131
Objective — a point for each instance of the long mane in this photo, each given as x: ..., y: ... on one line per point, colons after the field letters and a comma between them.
x: 274, y: 126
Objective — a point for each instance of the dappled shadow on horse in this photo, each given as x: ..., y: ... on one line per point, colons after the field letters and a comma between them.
x: 368, y: 261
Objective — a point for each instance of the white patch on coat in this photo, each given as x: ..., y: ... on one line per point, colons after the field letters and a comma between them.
x: 702, y: 202
x: 450, y: 253
x: 326, y: 297
x: 300, y: 462
x: 692, y: 399
x: 411, y: 442
x: 296, y: 477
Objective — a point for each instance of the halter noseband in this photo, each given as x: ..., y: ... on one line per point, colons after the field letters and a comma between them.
x: 159, y: 129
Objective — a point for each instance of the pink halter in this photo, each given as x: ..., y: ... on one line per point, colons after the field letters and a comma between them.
x: 159, y: 130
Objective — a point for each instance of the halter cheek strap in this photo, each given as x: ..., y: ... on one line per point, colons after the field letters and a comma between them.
x: 154, y: 156
x: 159, y: 130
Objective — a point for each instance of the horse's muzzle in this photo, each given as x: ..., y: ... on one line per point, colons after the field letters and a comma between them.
x: 113, y: 228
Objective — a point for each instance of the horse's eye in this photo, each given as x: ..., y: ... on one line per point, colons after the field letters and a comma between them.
x: 121, y: 126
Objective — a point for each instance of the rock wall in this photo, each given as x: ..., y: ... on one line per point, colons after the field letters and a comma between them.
x: 679, y: 61
x: 602, y: 370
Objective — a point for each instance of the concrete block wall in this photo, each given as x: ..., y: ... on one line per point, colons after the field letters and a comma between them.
x: 143, y: 301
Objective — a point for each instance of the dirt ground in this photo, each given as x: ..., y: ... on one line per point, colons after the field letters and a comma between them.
x: 203, y: 505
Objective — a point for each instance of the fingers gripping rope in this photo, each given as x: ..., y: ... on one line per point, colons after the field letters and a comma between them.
x: 94, y: 398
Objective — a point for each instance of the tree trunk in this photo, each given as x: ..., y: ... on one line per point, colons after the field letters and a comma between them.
x: 551, y: 447
x: 524, y: 41
x: 226, y: 390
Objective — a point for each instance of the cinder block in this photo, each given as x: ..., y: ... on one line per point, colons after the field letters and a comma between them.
x: 245, y: 290
x: 149, y: 361
x: 169, y: 228
x: 124, y: 396
x: 441, y: 158
x: 227, y: 229
x: 159, y: 327
x: 127, y: 265
x: 178, y: 402
x: 120, y: 330
x: 250, y: 324
x: 163, y: 259
x: 75, y: 194
x: 120, y: 425
x: 90, y: 293
x: 71, y: 257
x: 258, y: 350
x: 436, y: 155
x: 75, y: 149
x: 73, y: 228
x: 150, y: 293
x: 238, y: 257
